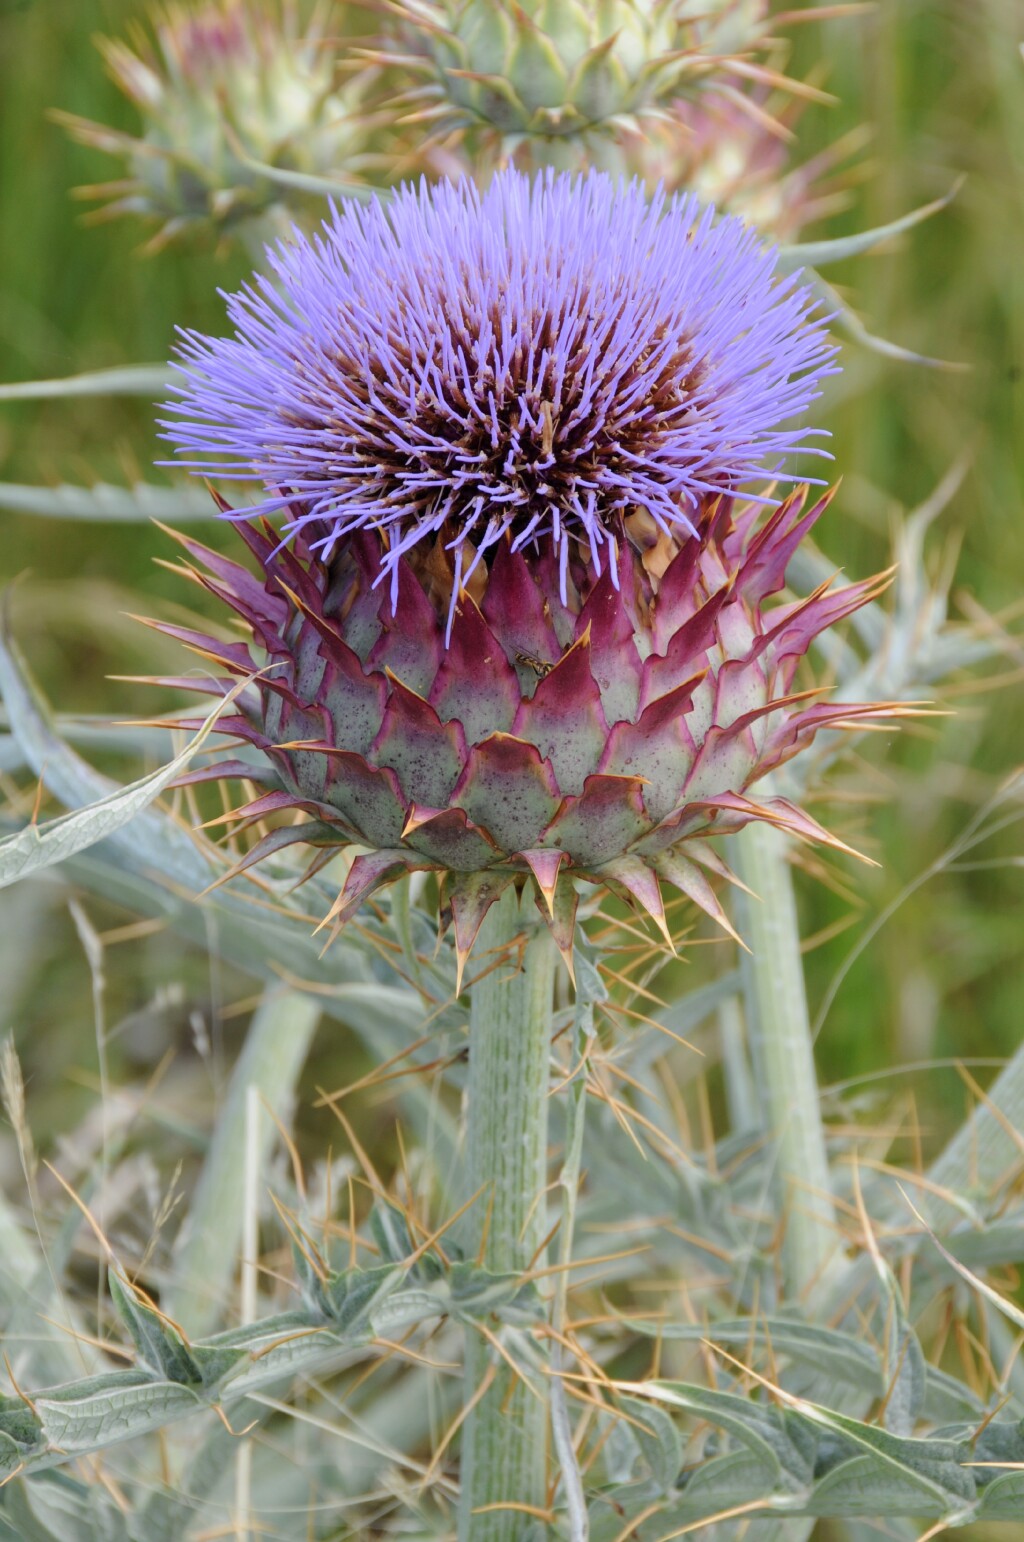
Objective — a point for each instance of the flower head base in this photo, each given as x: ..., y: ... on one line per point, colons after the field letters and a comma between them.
x: 533, y: 365
x: 227, y: 87
x: 598, y: 739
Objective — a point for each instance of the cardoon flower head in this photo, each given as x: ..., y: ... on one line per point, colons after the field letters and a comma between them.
x: 531, y: 411
x: 537, y: 363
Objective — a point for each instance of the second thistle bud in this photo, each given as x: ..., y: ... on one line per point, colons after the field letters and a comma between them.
x: 566, y: 69
x: 228, y: 92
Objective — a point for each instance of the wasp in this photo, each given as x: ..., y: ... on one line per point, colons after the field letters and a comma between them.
x: 540, y: 667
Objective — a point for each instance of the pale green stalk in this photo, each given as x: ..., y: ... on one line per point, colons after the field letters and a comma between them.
x: 272, y: 1058
x: 504, y: 1434
x: 782, y: 1051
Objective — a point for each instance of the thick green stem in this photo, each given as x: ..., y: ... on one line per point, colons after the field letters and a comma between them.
x: 504, y: 1435
x: 782, y: 1050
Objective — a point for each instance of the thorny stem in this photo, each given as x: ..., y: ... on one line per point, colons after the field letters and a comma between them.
x: 782, y: 1050
x: 503, y: 1443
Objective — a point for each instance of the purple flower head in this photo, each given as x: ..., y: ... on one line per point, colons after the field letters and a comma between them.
x: 542, y: 359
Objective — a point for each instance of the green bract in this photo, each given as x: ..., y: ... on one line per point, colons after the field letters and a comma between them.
x: 554, y: 69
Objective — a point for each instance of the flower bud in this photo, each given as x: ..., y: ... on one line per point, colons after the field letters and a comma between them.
x: 568, y: 69
x: 223, y: 90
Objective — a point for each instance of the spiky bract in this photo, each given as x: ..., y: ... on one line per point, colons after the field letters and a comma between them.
x: 735, y: 151
x: 532, y: 363
x: 598, y: 739
x: 565, y: 70
x: 224, y: 87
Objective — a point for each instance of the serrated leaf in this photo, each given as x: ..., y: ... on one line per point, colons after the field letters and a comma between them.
x: 352, y: 1296
x: 39, y: 846
x: 659, y: 1440
x: 12, y: 1455
x: 158, y: 1342
x: 1003, y: 1498
x: 150, y: 380
x: 99, y: 1411
x: 758, y: 1426
x: 300, y: 1352
x: 827, y: 1351
x: 91, y: 1422
x: 947, y: 1398
x: 865, y: 1487
x: 935, y: 1467
x: 405, y: 1308
x: 104, y: 501
x: 714, y: 1485
x: 17, y: 1421
x: 216, y: 1364
x: 391, y: 1232
x: 476, y: 1292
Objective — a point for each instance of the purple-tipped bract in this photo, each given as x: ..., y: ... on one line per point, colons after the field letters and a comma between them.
x: 539, y: 361
x: 603, y: 740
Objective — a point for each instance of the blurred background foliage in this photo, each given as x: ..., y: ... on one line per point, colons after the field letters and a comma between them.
x: 940, y: 83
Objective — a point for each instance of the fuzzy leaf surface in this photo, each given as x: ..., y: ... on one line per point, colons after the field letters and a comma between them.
x: 39, y: 846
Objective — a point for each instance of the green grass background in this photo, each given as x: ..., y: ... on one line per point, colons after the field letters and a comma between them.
x: 941, y: 82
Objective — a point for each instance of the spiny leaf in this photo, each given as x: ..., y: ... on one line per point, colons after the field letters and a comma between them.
x: 105, y: 501
x: 817, y: 254
x: 476, y: 1292
x: 100, y: 1417
x: 1003, y: 1499
x: 158, y: 868
x: 150, y: 380
x: 305, y: 182
x: 157, y: 1340
x: 849, y: 322
x: 354, y: 1295
x: 39, y: 846
x: 840, y: 1356
x: 659, y: 1441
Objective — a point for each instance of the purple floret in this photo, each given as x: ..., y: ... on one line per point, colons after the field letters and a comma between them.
x: 544, y: 358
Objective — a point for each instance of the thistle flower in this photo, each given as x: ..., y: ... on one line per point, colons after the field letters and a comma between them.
x: 224, y: 88
x: 533, y: 363
x: 529, y: 410
x: 564, y: 69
